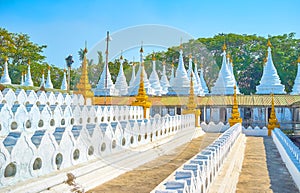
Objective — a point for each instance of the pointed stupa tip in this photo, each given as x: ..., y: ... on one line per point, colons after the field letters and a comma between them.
x: 269, y: 43
x: 121, y: 57
x: 228, y: 55
x: 224, y: 47
x: 85, y: 48
x: 141, y: 50
x: 153, y: 57
x: 163, y: 63
x: 5, y: 59
x: 298, y: 59
x: 190, y: 56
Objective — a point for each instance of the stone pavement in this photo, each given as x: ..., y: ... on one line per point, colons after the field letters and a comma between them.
x: 263, y: 169
x: 149, y: 175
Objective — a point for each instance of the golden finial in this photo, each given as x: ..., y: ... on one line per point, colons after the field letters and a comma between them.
x: 6, y: 59
x: 85, y: 48
x: 269, y: 43
x: 273, y: 122
x: 201, y: 65
x: 163, y: 62
x: 65, y: 70
x: 49, y: 67
x: 121, y: 57
x: 22, y: 73
x: 195, y: 61
x: 153, y: 56
x: 298, y: 59
x: 235, y: 115
x: 181, y: 46
x: 172, y: 65
x: 190, y: 56
x: 224, y: 47
x: 43, y: 71
x: 28, y: 62
x: 228, y: 55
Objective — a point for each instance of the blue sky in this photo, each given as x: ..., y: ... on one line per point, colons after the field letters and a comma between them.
x: 65, y: 25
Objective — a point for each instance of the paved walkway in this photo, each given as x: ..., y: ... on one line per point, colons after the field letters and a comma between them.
x: 146, y: 177
x: 263, y: 169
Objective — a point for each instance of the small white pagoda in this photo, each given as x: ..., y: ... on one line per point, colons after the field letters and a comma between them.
x: 164, y: 82
x: 121, y: 83
x: 5, y: 79
x: 270, y: 81
x: 296, y: 87
x: 154, y: 79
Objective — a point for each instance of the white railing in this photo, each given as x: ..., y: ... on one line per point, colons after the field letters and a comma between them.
x: 196, y: 175
x: 289, y: 153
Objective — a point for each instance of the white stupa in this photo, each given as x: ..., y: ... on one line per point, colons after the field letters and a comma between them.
x: 202, y: 80
x: 180, y: 85
x: 43, y: 79
x: 121, y: 83
x: 154, y: 79
x: 48, y: 83
x: 225, y: 83
x: 230, y: 67
x: 164, y: 82
x: 133, y: 90
x: 270, y: 81
x: 198, y: 90
x: 5, y: 79
x: 105, y: 86
x: 64, y: 84
x: 132, y: 75
x: 28, y: 80
x: 296, y: 87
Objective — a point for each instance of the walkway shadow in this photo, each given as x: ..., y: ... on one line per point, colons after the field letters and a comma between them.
x: 281, y: 180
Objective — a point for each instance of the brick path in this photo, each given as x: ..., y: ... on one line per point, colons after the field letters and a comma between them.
x: 263, y: 169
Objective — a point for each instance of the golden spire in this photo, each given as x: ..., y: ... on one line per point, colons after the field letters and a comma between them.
x: 269, y: 43
x: 172, y: 65
x: 224, y: 47
x: 273, y: 123
x: 5, y: 59
x: 298, y: 59
x: 181, y: 46
x: 142, y: 99
x: 235, y: 114
x: 195, y: 61
x: 141, y: 50
x: 43, y: 71
x: 121, y: 57
x: 84, y: 87
x: 65, y: 70
x: 201, y: 65
x: 163, y: 62
x: 191, y: 103
x: 85, y: 48
x: 228, y: 55
x: 28, y: 62
x: 49, y: 67
x: 190, y: 56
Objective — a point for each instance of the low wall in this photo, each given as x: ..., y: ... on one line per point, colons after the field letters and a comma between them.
x: 289, y: 153
x: 255, y: 131
x: 197, y: 174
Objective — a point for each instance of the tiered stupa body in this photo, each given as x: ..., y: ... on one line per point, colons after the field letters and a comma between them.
x: 5, y: 79
x: 230, y: 67
x: 43, y: 79
x: 224, y: 84
x: 121, y: 83
x: 164, y: 82
x: 198, y: 90
x: 48, y: 83
x: 131, y: 82
x: 296, y: 87
x: 64, y: 84
x: 202, y: 81
x: 105, y: 86
x: 180, y: 85
x: 28, y: 80
x: 154, y: 79
x: 133, y: 90
x: 270, y: 81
